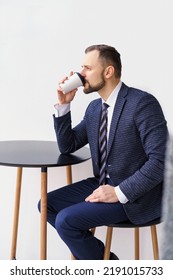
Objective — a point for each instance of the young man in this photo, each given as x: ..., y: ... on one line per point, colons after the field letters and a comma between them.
x: 131, y: 162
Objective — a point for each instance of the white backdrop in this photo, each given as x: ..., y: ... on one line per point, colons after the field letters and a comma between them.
x: 41, y: 41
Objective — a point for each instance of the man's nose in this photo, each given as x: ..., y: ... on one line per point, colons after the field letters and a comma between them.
x: 82, y: 72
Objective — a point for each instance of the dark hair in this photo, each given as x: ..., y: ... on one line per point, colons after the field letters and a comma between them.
x: 109, y: 55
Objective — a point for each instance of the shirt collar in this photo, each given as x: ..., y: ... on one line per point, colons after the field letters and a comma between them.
x: 113, y: 96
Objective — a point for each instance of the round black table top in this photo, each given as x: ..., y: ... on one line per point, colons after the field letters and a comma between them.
x: 28, y: 153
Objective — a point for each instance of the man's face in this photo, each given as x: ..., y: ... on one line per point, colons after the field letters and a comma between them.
x: 93, y: 72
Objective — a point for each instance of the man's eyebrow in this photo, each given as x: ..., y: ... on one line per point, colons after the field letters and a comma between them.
x: 86, y: 66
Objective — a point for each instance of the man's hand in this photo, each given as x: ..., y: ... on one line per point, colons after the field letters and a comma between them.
x: 68, y: 97
x: 105, y: 193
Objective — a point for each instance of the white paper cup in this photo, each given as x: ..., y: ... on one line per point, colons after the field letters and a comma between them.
x: 74, y: 81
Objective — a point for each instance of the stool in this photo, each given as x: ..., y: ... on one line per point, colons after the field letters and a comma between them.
x: 151, y: 224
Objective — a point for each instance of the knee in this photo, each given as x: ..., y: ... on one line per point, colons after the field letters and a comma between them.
x: 62, y: 222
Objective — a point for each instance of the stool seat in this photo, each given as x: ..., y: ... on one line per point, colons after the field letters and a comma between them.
x: 128, y: 224
x: 152, y: 224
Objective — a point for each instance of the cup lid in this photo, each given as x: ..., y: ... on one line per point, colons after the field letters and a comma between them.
x: 81, y: 77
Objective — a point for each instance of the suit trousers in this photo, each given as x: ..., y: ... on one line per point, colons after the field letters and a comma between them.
x: 72, y: 217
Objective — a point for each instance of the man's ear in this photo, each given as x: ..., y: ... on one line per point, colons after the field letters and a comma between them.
x: 109, y: 71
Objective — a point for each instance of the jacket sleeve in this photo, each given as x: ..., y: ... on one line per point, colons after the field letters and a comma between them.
x: 152, y: 128
x: 69, y: 139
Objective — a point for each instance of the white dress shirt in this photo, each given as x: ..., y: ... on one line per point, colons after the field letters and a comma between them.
x: 65, y: 108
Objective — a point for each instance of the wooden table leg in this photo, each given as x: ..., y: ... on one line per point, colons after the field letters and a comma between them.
x: 16, y: 213
x: 43, y: 221
x: 69, y: 174
x: 69, y: 181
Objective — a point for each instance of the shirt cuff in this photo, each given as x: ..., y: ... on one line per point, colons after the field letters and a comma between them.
x: 62, y: 109
x: 121, y: 196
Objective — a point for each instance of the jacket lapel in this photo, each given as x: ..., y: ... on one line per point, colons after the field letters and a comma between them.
x: 116, y: 114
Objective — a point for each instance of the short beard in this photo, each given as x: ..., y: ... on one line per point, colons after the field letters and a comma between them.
x: 97, y: 87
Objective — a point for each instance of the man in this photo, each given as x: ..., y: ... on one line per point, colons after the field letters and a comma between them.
x: 134, y: 153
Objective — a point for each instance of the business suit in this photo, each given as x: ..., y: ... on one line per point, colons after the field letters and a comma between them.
x: 135, y: 159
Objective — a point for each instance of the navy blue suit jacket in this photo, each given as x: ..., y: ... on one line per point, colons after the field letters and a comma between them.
x: 136, y: 148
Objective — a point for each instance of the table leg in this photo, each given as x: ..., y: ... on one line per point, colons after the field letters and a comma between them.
x: 16, y: 213
x: 69, y: 174
x: 69, y: 181
x: 43, y: 221
x: 43, y: 229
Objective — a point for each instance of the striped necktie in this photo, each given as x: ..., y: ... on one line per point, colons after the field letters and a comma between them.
x: 103, y: 143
